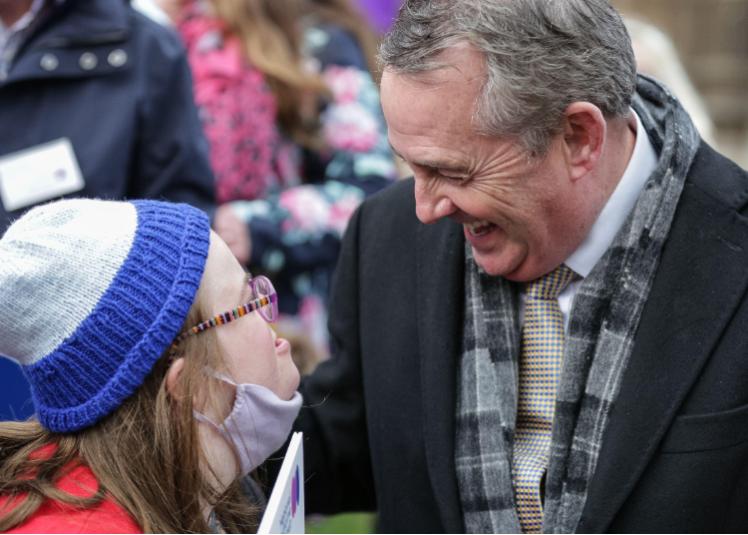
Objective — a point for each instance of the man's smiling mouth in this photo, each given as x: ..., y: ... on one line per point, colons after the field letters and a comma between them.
x: 479, y: 228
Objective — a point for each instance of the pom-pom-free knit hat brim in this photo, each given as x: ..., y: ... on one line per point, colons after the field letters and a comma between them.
x: 108, y: 355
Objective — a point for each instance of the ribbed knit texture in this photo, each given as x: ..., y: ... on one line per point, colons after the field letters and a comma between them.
x: 44, y: 291
x: 114, y: 348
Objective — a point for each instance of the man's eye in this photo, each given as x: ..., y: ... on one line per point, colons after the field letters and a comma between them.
x: 451, y: 178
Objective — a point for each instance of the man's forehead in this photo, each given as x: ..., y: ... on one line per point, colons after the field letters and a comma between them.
x: 460, y: 64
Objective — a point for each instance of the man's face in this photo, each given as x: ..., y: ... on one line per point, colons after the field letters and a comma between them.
x: 518, y: 214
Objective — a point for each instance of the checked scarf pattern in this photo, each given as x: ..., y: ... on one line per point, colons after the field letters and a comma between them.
x: 602, y: 326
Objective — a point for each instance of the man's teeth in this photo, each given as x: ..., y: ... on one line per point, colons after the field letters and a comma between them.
x: 479, y: 228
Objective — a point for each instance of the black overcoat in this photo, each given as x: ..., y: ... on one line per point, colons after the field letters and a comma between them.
x: 380, y: 426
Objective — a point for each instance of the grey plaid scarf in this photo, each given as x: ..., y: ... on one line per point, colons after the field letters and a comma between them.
x: 604, y: 318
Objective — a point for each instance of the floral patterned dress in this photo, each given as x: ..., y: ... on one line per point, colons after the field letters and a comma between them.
x: 296, y: 204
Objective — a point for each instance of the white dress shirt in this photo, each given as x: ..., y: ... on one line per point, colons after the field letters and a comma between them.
x: 641, y: 165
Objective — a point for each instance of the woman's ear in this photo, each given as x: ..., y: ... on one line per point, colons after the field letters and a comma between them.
x: 172, y: 378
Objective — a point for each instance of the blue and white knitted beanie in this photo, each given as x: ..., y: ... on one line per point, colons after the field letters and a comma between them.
x: 92, y: 293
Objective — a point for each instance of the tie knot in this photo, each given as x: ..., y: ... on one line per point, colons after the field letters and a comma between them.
x: 550, y: 285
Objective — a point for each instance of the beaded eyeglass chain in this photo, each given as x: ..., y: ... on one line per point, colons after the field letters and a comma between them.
x: 267, y: 307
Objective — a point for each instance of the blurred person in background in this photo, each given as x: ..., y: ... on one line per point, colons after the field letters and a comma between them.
x: 158, y: 382
x: 380, y: 13
x: 153, y: 10
x: 95, y: 100
x: 656, y: 56
x: 297, y: 138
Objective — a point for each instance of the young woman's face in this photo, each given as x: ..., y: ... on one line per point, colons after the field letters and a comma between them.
x: 252, y: 352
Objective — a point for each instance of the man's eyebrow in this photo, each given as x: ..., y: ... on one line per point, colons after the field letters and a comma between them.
x: 432, y: 164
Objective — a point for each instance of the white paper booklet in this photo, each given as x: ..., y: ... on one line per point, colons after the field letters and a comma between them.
x: 285, y: 510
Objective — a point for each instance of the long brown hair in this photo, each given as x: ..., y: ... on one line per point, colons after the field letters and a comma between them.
x: 271, y: 40
x: 146, y: 454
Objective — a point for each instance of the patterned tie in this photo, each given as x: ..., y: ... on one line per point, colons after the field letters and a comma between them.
x: 539, y: 371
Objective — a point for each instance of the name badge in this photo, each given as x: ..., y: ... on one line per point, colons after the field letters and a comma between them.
x: 39, y: 173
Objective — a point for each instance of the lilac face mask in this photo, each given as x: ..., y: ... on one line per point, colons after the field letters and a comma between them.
x: 258, y: 424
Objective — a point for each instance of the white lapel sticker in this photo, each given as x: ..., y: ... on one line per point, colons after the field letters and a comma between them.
x: 39, y: 173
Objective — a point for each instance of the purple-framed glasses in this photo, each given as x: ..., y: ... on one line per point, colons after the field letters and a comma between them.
x: 265, y: 302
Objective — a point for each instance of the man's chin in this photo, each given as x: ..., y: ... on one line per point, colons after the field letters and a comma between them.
x: 515, y: 267
x: 493, y: 264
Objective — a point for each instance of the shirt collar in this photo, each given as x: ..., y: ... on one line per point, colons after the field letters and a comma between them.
x: 641, y: 165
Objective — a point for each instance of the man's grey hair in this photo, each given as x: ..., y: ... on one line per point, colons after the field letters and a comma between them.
x: 541, y: 56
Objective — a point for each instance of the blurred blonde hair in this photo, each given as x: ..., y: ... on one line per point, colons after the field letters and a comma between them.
x: 271, y: 41
x: 656, y: 56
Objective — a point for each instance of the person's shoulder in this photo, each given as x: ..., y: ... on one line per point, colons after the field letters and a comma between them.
x: 56, y: 517
x: 52, y: 516
x: 720, y: 178
x: 158, y: 40
x: 333, y: 45
x: 390, y: 212
x: 396, y: 197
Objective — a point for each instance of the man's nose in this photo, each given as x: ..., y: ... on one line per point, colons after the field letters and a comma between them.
x: 430, y: 204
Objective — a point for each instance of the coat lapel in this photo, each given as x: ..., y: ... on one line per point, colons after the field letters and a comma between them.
x: 440, y: 298
x: 701, y: 279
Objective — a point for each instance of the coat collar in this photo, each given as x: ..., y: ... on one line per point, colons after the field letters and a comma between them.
x: 69, y: 30
x: 79, y: 23
x: 440, y: 296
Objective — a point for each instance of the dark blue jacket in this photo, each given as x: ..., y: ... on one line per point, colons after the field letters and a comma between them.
x: 129, y: 114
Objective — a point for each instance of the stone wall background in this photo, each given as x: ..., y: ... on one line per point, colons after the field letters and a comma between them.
x: 711, y: 38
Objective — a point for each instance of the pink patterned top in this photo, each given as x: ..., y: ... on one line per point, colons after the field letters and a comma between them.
x: 237, y: 108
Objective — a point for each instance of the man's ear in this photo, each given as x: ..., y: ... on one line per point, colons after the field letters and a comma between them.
x: 584, y: 136
x: 172, y: 378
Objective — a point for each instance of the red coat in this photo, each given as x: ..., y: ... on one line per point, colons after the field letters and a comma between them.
x: 57, y: 517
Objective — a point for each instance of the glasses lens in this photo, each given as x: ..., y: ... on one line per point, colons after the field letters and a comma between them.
x: 264, y: 288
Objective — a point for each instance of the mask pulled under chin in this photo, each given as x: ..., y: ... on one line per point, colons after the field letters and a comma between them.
x: 258, y: 424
